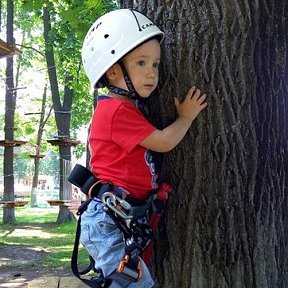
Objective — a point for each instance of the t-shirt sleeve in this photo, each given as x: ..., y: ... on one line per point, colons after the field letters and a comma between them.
x: 130, y: 127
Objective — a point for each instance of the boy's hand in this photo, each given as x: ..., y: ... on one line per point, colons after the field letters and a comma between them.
x: 193, y: 104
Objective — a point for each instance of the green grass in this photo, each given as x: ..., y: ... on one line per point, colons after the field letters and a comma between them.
x: 37, y: 227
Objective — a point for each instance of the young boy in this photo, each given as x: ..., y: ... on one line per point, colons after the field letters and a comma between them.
x: 121, y: 51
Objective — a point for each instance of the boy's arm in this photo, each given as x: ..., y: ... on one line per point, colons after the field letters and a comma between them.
x: 168, y: 138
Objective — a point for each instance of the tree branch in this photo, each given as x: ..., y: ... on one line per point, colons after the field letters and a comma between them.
x: 32, y: 48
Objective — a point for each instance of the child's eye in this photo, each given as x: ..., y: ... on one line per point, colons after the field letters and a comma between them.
x: 156, y: 65
x: 141, y: 62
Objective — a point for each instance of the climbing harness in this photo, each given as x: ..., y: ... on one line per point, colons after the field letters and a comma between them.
x: 137, y: 235
x: 127, y: 216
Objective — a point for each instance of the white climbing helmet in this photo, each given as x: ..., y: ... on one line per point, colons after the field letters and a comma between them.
x: 111, y: 37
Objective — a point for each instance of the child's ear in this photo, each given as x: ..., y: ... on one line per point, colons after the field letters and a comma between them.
x: 114, y: 72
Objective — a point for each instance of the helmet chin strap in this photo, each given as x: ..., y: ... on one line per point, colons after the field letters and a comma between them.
x: 131, y: 93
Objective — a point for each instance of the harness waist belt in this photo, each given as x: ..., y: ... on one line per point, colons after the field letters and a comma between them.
x: 84, y: 179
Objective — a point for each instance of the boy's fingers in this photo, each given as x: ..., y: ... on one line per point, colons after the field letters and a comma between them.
x: 202, y: 98
x: 192, y: 91
x: 203, y: 105
x: 195, y: 93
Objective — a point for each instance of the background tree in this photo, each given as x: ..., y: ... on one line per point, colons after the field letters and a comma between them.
x: 63, y: 34
x: 17, y: 162
x: 37, y: 156
x: 10, y: 102
x: 62, y: 109
x: 65, y: 24
x: 226, y: 221
x: 70, y: 21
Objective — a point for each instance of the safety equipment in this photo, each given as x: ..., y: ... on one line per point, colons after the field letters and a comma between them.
x: 111, y: 37
x: 138, y: 236
x: 125, y: 212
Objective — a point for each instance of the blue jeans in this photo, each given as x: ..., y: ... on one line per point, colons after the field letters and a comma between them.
x: 105, y: 243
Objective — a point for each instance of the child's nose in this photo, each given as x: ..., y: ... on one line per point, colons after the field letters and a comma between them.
x: 152, y: 72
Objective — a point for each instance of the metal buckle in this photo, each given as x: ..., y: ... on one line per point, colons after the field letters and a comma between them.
x: 116, y: 204
x: 123, y: 268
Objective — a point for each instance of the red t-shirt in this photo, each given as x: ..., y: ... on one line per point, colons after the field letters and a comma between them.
x: 117, y: 128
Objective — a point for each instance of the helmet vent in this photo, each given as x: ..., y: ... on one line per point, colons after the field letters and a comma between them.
x: 113, y: 52
x: 106, y: 36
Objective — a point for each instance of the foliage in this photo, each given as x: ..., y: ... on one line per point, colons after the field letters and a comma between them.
x: 20, y: 167
x: 71, y: 20
x: 50, y: 164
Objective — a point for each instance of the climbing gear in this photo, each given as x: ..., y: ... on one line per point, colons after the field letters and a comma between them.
x: 96, y: 282
x: 111, y: 37
x: 131, y: 94
x: 158, y: 207
x: 137, y: 235
x: 126, y: 215
x: 84, y: 179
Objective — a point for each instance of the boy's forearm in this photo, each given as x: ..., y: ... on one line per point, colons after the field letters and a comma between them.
x: 174, y: 133
x: 165, y: 140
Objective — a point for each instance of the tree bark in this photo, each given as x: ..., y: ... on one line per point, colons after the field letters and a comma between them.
x: 226, y: 222
x: 62, y: 111
x: 10, y: 102
x: 42, y: 122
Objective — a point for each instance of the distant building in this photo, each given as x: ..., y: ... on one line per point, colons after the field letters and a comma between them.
x: 44, y: 181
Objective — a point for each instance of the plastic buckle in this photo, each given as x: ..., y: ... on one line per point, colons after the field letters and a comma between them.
x: 134, y: 274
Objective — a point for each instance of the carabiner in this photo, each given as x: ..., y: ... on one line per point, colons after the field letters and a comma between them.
x: 114, y: 203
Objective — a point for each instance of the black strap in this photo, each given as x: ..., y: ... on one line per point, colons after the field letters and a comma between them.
x: 95, y: 283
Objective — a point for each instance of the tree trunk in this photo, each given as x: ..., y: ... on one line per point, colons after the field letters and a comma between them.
x: 42, y: 123
x: 10, y: 102
x: 226, y: 222
x: 33, y: 198
x: 62, y: 111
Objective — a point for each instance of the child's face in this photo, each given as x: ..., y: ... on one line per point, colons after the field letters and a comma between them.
x: 142, y: 65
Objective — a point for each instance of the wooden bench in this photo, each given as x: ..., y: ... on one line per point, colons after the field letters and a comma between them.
x: 56, y: 282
